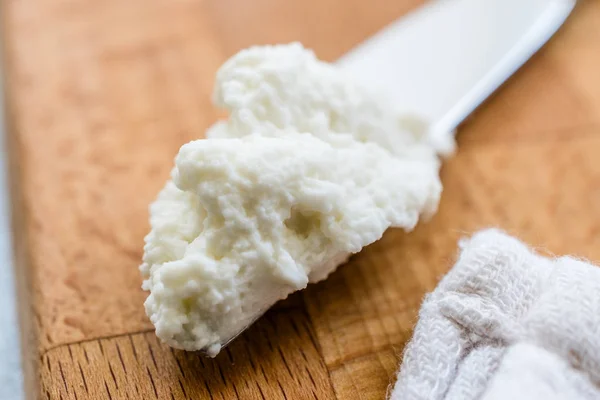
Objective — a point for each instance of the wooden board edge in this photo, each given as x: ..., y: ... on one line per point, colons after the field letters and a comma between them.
x: 29, y: 342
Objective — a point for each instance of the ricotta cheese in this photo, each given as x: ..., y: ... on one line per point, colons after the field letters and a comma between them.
x: 307, y: 170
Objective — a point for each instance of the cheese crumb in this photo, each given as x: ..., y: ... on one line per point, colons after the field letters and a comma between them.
x: 307, y: 170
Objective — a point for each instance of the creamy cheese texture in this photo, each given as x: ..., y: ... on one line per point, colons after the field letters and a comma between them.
x: 308, y: 169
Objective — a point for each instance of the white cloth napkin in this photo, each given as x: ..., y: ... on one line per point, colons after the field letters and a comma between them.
x: 506, y: 323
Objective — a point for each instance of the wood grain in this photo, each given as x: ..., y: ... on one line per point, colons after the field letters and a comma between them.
x: 102, y: 94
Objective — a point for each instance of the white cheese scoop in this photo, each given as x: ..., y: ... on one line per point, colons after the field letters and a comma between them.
x: 308, y: 169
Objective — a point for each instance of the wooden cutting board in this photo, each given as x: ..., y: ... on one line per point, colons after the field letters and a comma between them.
x: 100, y: 96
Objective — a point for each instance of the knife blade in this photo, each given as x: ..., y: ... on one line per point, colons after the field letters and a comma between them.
x: 444, y: 59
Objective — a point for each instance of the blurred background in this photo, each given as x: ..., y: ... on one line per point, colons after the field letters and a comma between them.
x: 11, y: 379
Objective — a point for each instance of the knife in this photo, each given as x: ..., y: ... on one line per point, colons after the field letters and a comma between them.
x: 444, y: 59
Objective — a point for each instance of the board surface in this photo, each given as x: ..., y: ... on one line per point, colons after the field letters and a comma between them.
x: 100, y: 96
